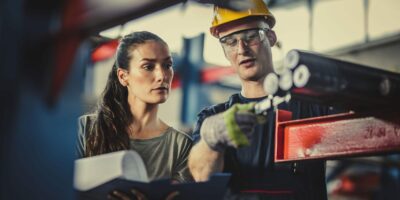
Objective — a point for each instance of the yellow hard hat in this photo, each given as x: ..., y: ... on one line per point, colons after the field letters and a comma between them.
x: 223, y: 15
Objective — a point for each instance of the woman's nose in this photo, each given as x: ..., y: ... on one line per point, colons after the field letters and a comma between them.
x: 161, y: 74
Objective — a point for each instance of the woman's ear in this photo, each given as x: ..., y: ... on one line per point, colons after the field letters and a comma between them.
x: 122, y: 76
x: 271, y: 37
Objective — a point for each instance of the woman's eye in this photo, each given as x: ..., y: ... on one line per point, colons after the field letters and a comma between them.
x: 148, y: 67
x: 168, y: 65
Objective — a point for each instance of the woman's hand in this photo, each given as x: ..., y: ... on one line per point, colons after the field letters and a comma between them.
x: 134, y: 195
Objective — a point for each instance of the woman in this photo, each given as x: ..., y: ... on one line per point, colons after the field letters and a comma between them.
x: 126, y: 117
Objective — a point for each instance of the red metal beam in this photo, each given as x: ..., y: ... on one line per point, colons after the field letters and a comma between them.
x: 105, y: 51
x: 65, y: 49
x: 335, y: 136
x: 215, y: 73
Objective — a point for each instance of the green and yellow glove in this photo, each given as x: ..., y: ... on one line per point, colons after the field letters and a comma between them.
x: 234, y: 127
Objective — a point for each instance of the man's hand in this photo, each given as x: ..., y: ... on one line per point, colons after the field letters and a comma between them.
x: 234, y: 127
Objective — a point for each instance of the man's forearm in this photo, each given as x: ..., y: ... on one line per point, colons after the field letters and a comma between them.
x: 203, y: 161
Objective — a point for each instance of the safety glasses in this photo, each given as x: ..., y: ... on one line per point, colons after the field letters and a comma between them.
x: 249, y: 37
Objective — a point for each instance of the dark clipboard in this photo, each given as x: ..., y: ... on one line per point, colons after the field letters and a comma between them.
x: 215, y: 188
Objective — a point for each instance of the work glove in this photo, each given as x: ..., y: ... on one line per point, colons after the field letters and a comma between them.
x: 234, y: 127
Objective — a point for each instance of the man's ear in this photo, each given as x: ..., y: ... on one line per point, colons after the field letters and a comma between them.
x: 271, y: 37
x: 122, y: 76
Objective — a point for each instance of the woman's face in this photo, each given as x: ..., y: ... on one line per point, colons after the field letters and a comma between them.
x: 150, y: 73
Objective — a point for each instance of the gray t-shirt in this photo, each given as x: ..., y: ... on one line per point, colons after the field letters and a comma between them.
x: 165, y: 156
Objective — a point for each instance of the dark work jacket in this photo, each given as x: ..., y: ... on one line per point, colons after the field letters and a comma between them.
x: 254, y: 173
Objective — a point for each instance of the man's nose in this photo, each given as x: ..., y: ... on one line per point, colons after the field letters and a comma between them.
x: 242, y: 47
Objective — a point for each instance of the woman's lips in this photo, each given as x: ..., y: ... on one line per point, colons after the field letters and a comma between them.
x: 161, y: 89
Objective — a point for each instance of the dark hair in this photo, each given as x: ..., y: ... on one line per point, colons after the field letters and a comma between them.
x: 109, y: 131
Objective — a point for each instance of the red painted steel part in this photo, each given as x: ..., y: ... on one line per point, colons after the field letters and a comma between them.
x: 334, y: 136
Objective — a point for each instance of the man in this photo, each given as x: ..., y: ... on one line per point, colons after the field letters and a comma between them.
x: 230, y: 139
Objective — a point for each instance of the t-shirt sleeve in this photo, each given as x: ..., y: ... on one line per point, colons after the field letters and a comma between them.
x: 81, y: 137
x: 181, y: 171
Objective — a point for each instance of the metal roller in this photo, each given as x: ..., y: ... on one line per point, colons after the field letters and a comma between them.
x: 271, y: 83
x: 286, y: 80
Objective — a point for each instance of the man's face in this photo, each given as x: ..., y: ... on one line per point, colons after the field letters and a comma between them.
x: 252, y: 58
